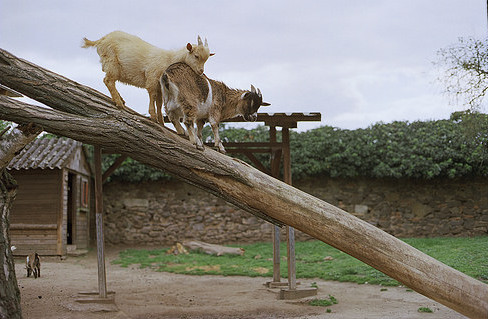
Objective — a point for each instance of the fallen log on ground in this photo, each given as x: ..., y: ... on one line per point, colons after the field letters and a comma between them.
x: 88, y: 116
x: 213, y: 249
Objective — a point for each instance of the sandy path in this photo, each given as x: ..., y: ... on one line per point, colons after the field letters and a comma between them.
x: 143, y: 293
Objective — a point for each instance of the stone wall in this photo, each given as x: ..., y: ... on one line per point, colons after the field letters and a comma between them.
x: 410, y: 208
x: 162, y: 213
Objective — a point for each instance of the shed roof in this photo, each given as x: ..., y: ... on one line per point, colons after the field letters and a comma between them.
x: 45, y: 153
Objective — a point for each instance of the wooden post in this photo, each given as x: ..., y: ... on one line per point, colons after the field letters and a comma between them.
x: 102, y: 279
x: 275, y: 170
x: 290, y: 231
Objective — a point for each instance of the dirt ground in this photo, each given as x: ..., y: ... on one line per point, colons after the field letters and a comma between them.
x: 143, y: 293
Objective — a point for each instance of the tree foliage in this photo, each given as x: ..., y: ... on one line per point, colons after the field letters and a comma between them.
x: 465, y: 70
x: 444, y: 148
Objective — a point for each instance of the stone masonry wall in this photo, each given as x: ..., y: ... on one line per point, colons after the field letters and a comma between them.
x: 162, y: 213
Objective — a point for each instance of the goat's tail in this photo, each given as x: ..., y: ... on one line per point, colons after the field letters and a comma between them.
x: 87, y: 43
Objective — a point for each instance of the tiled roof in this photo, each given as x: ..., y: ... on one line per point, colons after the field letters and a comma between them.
x: 45, y: 153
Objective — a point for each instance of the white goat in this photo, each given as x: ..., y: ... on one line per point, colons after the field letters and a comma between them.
x: 131, y: 60
x: 197, y: 99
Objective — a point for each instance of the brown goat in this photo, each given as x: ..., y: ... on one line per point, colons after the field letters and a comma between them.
x: 197, y: 99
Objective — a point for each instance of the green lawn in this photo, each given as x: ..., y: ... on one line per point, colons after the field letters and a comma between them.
x: 314, y: 259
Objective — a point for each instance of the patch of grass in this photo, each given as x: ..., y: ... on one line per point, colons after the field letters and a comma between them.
x: 424, y: 309
x: 324, y: 302
x: 468, y: 255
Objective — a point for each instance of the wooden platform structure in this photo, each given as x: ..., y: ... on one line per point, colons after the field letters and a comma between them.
x: 279, y: 153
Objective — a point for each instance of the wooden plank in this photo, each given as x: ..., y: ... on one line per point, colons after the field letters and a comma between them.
x: 40, y: 251
x: 32, y: 231
x: 249, y: 150
x: 278, y: 117
x: 18, y: 226
x: 24, y: 237
x: 32, y: 242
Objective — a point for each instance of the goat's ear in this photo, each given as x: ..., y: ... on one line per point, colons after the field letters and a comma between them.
x: 265, y: 104
x: 189, y: 47
x: 212, y: 54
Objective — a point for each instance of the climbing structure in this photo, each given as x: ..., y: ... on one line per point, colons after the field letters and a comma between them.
x: 86, y: 115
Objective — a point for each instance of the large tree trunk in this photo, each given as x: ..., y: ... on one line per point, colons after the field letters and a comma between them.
x: 90, y: 117
x: 9, y: 290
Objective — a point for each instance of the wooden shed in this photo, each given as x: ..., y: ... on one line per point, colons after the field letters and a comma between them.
x: 51, y: 212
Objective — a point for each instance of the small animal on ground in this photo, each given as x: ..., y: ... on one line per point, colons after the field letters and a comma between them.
x: 197, y: 99
x: 33, y: 265
x: 131, y: 60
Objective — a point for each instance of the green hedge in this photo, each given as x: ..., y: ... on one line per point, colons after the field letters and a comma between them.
x: 445, y: 148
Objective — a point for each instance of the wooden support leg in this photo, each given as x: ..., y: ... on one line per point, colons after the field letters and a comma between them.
x: 276, y: 254
x: 102, y: 280
x: 290, y: 237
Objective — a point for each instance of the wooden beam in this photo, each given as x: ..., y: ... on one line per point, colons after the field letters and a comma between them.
x: 278, y: 119
x: 116, y: 164
x: 275, y: 166
x: 256, y: 162
x: 73, y: 107
x: 20, y: 226
x: 248, y: 150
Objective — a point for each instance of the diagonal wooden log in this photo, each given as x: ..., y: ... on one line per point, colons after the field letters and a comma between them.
x: 236, y: 182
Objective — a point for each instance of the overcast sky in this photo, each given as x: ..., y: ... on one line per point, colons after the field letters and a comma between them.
x: 357, y: 62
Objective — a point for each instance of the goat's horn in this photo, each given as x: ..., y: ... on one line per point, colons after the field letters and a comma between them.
x: 259, y: 93
x: 199, y: 40
x: 206, y: 43
x: 253, y: 89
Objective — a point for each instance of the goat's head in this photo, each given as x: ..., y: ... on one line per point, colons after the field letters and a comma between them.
x: 198, y: 55
x: 250, y: 103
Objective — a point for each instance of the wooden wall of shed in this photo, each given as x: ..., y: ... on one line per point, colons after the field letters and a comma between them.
x: 79, y: 163
x: 35, y: 211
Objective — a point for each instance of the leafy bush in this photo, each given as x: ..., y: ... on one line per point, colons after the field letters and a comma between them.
x: 445, y: 148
